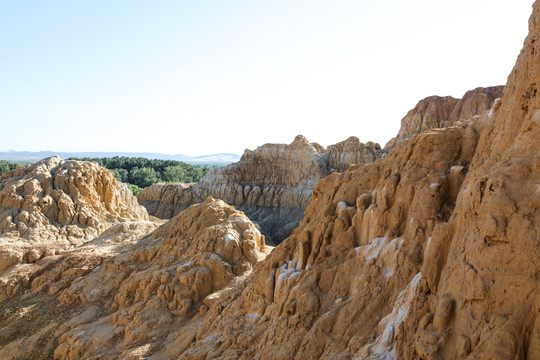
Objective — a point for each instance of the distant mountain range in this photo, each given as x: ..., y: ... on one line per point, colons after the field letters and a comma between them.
x: 29, y: 156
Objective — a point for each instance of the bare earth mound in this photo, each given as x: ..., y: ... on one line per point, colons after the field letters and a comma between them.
x: 127, y: 294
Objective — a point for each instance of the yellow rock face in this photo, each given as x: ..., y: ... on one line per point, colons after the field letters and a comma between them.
x: 56, y: 205
x: 133, y: 286
x: 61, y: 200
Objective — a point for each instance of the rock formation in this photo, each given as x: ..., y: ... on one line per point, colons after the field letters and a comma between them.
x: 431, y: 252
x: 339, y: 156
x: 322, y: 294
x: 55, y: 205
x: 482, y: 267
x: 272, y: 184
x: 126, y: 293
x: 64, y: 200
x: 438, y: 112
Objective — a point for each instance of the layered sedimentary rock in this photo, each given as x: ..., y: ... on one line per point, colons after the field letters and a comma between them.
x: 272, y: 184
x: 339, y: 156
x: 438, y: 112
x: 127, y: 293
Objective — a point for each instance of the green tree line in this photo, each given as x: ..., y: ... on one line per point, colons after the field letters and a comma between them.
x: 6, y: 166
x: 139, y: 172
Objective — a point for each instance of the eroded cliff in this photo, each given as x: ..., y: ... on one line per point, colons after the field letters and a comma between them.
x: 323, y: 292
x: 443, y: 111
x: 271, y: 184
x: 428, y: 253
x: 484, y: 293
x: 431, y: 252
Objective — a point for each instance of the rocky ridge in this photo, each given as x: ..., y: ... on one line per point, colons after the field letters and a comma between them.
x: 271, y: 184
x: 444, y: 111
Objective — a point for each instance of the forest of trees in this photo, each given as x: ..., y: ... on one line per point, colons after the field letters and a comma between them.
x: 139, y: 173
x: 6, y: 166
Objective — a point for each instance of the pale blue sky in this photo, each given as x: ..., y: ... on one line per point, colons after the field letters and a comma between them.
x: 201, y: 77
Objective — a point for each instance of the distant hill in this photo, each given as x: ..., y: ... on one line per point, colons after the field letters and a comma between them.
x: 29, y: 156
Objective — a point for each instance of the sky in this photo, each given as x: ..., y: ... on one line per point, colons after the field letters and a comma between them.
x: 204, y: 77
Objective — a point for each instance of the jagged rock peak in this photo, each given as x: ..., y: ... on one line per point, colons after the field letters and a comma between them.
x: 339, y: 156
x: 437, y: 112
x: 301, y: 140
x: 276, y: 164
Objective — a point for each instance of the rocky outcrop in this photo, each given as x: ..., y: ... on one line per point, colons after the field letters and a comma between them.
x: 271, y: 184
x: 482, y: 267
x: 339, y: 156
x: 429, y: 253
x: 55, y: 205
x: 324, y: 292
x: 439, y: 112
x: 166, y: 200
x: 475, y: 102
x: 127, y: 294
x: 69, y: 200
